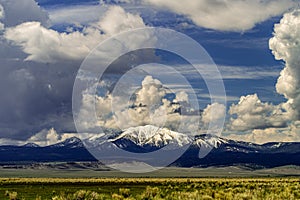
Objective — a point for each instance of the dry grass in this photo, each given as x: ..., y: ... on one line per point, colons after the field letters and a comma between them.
x: 163, y: 188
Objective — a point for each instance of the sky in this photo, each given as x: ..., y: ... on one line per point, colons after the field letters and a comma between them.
x: 254, y: 44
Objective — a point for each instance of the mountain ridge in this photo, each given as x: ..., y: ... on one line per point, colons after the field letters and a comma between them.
x: 222, y: 151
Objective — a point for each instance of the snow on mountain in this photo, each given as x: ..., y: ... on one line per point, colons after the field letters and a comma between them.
x: 209, y: 141
x: 72, y: 142
x: 96, y: 138
x: 153, y: 136
x: 150, y: 138
x: 98, y: 141
x: 144, y: 139
x: 31, y: 145
x: 275, y: 145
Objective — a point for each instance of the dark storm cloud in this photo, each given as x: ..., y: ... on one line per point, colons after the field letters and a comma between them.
x: 17, y: 12
x: 34, y: 95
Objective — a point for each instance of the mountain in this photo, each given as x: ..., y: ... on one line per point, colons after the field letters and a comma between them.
x: 229, y: 152
x: 149, y: 138
x: 207, y: 141
x: 71, y: 149
x: 72, y: 142
x: 145, y: 139
x: 31, y: 145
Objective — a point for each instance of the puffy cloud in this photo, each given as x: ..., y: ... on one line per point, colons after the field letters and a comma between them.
x: 181, y: 96
x: 116, y: 20
x: 231, y: 15
x: 150, y: 94
x: 86, y: 121
x: 251, y: 113
x: 213, y: 112
x: 285, y: 45
x: 261, y: 136
x: 48, y: 46
x: 48, y: 137
x: 149, y: 105
x: 44, y: 137
x: 38, y: 95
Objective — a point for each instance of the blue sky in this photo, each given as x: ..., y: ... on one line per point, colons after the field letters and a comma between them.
x: 249, y: 49
x: 42, y: 50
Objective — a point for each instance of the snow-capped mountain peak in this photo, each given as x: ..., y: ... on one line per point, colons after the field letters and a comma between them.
x: 153, y: 136
x: 224, y: 152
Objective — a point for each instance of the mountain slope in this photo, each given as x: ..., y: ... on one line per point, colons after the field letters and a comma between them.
x: 145, y: 139
x: 71, y: 149
x: 150, y: 138
x: 229, y: 152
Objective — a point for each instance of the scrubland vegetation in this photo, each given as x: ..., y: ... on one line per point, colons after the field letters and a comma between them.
x: 150, y: 188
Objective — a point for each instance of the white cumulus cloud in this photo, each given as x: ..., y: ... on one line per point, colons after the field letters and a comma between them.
x: 150, y: 105
x: 48, y: 46
x: 213, y: 112
x: 251, y: 113
x: 48, y: 137
x: 285, y: 46
x: 229, y: 15
x: 261, y: 136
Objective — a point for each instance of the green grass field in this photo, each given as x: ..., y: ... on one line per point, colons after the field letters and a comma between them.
x: 149, y: 188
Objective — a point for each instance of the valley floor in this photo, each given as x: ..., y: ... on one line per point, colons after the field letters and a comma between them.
x: 90, y: 181
x: 149, y: 188
x: 89, y: 170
